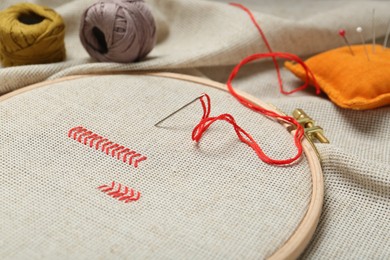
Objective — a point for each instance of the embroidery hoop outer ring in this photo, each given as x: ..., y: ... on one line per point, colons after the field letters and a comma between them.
x: 302, y: 235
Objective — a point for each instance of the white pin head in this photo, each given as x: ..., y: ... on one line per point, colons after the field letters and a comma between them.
x: 360, y: 31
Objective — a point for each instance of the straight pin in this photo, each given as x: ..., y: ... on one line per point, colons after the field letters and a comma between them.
x: 373, y: 31
x: 176, y: 111
x: 360, y: 31
x: 387, y: 35
x: 342, y: 34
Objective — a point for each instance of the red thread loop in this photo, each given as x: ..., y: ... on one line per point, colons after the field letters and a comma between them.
x: 206, y: 121
x: 244, y: 137
x: 274, y: 55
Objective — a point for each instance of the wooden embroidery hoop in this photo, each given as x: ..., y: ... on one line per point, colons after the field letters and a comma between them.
x: 302, y: 235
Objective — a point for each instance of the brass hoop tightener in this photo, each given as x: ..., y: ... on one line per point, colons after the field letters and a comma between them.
x: 312, y: 131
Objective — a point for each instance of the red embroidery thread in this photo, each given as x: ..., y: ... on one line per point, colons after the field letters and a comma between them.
x: 273, y: 55
x: 206, y: 121
x: 244, y: 137
x: 86, y: 137
x: 121, y: 193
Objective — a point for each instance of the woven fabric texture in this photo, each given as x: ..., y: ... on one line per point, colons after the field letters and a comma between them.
x: 212, y: 200
x: 202, y: 38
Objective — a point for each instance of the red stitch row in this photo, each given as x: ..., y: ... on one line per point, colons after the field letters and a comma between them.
x: 126, y: 195
x: 86, y: 137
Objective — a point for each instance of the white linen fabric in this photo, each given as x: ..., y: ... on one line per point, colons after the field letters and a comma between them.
x: 212, y: 200
x: 207, y: 38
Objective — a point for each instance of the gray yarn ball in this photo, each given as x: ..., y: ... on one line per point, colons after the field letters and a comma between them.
x: 118, y: 30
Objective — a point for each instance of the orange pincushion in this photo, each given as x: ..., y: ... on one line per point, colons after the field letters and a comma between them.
x: 351, y: 81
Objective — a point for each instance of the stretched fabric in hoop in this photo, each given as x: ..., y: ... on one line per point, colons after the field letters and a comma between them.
x: 215, y: 193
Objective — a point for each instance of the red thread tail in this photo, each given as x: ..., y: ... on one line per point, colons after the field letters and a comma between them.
x: 266, y: 44
x: 279, y: 55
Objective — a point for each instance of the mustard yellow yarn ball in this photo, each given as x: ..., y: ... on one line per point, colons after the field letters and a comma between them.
x: 31, y: 34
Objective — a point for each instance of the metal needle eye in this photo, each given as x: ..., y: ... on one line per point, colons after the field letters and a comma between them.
x: 186, y: 105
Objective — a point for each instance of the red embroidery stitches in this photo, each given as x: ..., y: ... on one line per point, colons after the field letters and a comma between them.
x: 86, y: 137
x: 121, y: 193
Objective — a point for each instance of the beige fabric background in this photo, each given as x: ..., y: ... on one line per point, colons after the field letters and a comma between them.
x: 207, y: 38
